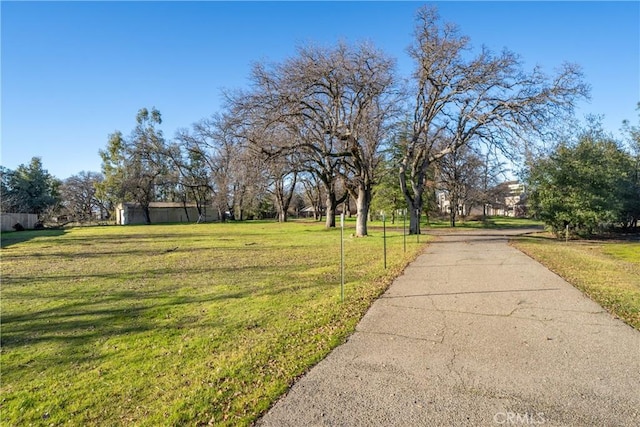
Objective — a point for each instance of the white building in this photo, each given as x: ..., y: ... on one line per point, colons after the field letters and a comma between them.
x: 508, y: 200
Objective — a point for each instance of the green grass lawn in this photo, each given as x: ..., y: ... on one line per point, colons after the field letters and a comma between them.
x: 492, y: 222
x: 176, y: 324
x: 607, y: 271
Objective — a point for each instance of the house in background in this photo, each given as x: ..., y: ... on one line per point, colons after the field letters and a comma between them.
x: 163, y: 212
x: 508, y: 199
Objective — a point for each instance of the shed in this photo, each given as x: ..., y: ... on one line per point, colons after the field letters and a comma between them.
x: 163, y: 212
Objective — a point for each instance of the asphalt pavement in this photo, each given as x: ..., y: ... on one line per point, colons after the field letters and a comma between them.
x: 474, y: 333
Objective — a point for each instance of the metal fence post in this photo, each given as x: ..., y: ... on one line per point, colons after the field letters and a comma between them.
x: 342, y: 257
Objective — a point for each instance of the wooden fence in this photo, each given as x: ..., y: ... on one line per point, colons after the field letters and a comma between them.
x: 28, y: 221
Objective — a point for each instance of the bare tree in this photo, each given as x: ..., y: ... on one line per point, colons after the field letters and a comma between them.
x: 334, y: 103
x: 283, y: 177
x: 278, y: 101
x: 366, y: 158
x: 223, y: 161
x: 487, y: 97
x: 280, y: 168
x: 319, y: 160
x: 314, y: 194
x: 493, y: 173
x: 459, y: 174
x: 193, y: 173
x: 78, y: 197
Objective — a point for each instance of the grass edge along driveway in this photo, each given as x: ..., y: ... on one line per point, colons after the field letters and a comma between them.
x: 177, y: 324
x: 608, y: 271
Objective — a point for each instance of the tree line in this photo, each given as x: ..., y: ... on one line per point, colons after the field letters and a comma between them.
x: 338, y: 123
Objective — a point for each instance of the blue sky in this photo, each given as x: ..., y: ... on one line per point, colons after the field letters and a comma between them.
x: 74, y: 72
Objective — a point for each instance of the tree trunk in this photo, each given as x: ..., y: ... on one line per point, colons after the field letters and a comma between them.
x: 414, y: 219
x: 363, y: 203
x: 186, y: 211
x: 147, y: 214
x: 201, y: 217
x: 284, y: 195
x: 317, y: 215
x: 281, y: 207
x: 332, y: 202
x: 347, y: 207
x: 453, y: 211
x: 331, y: 210
x: 414, y: 206
x: 413, y: 197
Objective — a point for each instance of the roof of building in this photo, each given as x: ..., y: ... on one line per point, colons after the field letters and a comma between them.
x: 159, y: 205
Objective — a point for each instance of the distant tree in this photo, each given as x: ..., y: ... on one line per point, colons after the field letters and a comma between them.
x: 29, y: 189
x: 112, y: 190
x: 583, y: 185
x: 313, y: 194
x: 459, y: 175
x: 6, y: 204
x: 279, y: 168
x: 282, y: 172
x: 470, y: 178
x: 387, y: 196
x: 147, y: 168
x: 493, y: 174
x: 135, y: 168
x: 271, y: 105
x: 298, y: 201
x: 234, y: 176
x: 193, y: 177
x: 632, y: 132
x: 334, y: 103
x: 78, y: 197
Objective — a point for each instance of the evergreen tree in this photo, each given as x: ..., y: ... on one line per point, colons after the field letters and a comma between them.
x: 584, y: 185
x: 29, y: 189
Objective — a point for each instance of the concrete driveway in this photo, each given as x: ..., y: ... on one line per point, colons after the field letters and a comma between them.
x: 474, y: 333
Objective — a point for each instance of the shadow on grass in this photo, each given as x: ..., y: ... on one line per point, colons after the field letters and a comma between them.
x: 82, y: 317
x: 13, y: 237
x: 82, y: 331
x: 117, y: 314
x: 170, y: 248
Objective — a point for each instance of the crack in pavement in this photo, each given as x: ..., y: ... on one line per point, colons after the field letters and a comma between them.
x: 474, y: 352
x: 440, y: 310
x: 510, y: 314
x: 488, y: 264
x: 391, y: 334
x: 469, y: 293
